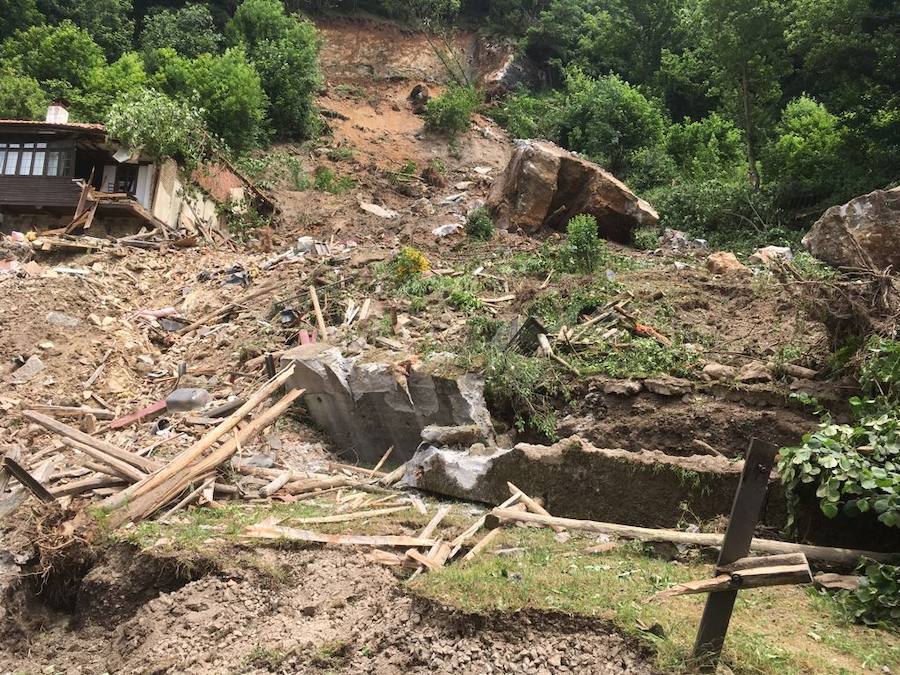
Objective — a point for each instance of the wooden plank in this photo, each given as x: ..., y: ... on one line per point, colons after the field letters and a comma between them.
x: 435, y: 521
x: 759, y: 577
x: 116, y: 466
x: 87, y: 485
x: 531, y: 504
x: 320, y: 319
x: 292, y: 534
x: 66, y: 431
x: 844, y: 556
x: 745, y: 511
x: 27, y: 480
x: 480, y: 546
x: 74, y: 411
x: 145, y: 414
x: 357, y: 515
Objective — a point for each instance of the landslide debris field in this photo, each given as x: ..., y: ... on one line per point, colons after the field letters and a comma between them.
x: 625, y: 393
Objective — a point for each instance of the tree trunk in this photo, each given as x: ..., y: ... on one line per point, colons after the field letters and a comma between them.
x: 752, y: 171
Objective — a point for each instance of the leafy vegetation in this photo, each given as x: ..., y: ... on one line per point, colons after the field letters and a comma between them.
x: 450, y: 112
x: 583, y: 244
x: 408, y: 264
x: 877, y: 600
x: 479, y: 224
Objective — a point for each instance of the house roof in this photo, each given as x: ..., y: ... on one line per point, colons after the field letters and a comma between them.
x: 34, y: 125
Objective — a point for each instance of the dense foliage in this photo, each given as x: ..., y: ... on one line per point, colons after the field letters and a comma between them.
x: 250, y: 69
x: 877, y: 600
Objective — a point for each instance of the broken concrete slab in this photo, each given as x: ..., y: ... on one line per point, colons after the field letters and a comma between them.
x: 544, y: 186
x: 864, y: 231
x: 578, y: 480
x: 369, y: 403
x: 28, y: 371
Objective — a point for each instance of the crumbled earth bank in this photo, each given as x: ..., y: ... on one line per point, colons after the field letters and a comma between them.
x: 334, y: 612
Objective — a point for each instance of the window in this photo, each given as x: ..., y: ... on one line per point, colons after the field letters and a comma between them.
x: 37, y: 159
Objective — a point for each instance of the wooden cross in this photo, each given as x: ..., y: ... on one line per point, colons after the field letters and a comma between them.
x: 734, y: 570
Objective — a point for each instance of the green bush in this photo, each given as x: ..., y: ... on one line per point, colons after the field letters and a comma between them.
x: 525, y: 388
x: 21, y: 97
x: 450, y: 112
x: 327, y: 180
x: 64, y: 53
x: 583, y: 244
x: 410, y: 263
x: 709, y: 149
x: 189, y: 30
x: 646, y: 238
x: 479, y: 224
x: 530, y: 116
x: 877, y: 600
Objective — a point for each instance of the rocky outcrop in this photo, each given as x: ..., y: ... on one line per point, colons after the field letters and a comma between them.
x: 862, y: 232
x: 577, y: 480
x: 544, y: 186
x: 370, y: 403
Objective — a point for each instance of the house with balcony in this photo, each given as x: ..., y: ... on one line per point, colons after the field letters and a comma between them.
x: 67, y: 176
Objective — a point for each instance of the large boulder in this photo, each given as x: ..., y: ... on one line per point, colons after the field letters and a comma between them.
x: 861, y: 232
x: 544, y: 186
x: 369, y: 403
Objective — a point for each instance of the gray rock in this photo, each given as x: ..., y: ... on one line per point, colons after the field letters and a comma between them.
x: 755, y: 372
x: 60, y: 319
x: 378, y: 400
x: 719, y: 372
x: 186, y: 399
x: 623, y: 387
x: 29, y: 370
x: 668, y: 386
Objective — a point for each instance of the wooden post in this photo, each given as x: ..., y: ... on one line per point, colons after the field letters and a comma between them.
x: 745, y: 512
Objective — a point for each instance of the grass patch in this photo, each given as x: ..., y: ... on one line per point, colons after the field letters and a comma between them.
x: 784, y: 630
x: 266, y: 658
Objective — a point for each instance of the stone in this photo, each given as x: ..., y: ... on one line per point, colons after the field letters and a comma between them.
x: 755, y: 372
x: 769, y: 255
x: 666, y: 385
x: 418, y: 98
x: 379, y: 211
x: 379, y: 399
x: 725, y: 262
x: 29, y: 370
x: 467, y: 435
x: 864, y: 231
x: 186, y: 399
x: 60, y: 319
x: 544, y: 186
x: 578, y: 480
x: 623, y: 387
x: 719, y: 372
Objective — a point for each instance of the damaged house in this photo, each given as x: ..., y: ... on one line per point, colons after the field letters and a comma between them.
x: 61, y: 175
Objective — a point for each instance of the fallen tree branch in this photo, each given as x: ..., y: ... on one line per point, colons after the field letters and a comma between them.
x: 502, y: 516
x: 291, y: 534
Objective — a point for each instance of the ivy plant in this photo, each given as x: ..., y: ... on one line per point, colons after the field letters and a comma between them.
x: 877, y: 600
x: 856, y: 468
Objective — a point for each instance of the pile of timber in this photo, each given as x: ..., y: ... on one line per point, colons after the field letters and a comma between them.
x: 135, y: 487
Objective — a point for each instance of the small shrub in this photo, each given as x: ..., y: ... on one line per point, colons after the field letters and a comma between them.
x: 479, y: 225
x: 646, y: 239
x: 877, y: 600
x: 450, y: 112
x: 525, y: 388
x: 328, y: 181
x: 584, y: 246
x: 340, y: 153
x: 409, y: 263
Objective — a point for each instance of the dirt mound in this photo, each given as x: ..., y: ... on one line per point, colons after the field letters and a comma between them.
x: 333, y: 612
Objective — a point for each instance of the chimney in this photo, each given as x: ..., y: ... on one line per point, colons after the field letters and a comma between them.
x: 57, y: 113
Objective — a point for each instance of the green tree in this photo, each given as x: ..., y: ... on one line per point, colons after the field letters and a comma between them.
x: 284, y: 49
x: 804, y: 157
x: 228, y: 88
x: 107, y: 84
x: 160, y: 127
x: 21, y: 97
x: 189, y: 30
x: 64, y: 53
x: 17, y: 15
x: 706, y: 149
x: 108, y: 22
x: 609, y: 120
x: 746, y: 38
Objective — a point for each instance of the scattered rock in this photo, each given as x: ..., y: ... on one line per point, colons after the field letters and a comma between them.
x: 754, y: 373
x: 865, y: 229
x: 379, y: 211
x: 668, y: 386
x: 768, y: 255
x: 466, y: 436
x: 725, y: 262
x: 719, y: 372
x: 623, y: 387
x: 29, y: 370
x: 60, y: 319
x: 544, y: 186
x: 184, y: 400
x: 418, y: 98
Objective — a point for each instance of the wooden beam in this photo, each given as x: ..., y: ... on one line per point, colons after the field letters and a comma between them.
x: 531, y: 504
x: 27, y: 480
x: 291, y: 534
x: 66, y: 431
x: 356, y: 515
x: 745, y: 511
x: 844, y: 556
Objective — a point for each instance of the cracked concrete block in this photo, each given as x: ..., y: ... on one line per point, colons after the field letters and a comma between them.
x: 369, y: 403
